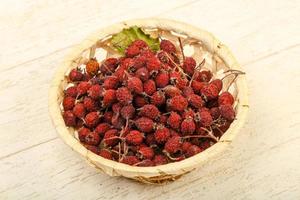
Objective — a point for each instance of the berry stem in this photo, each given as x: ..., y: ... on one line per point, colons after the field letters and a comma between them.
x: 232, y: 73
x: 170, y: 157
x: 209, y: 132
x: 197, y: 69
x: 178, y: 67
x: 181, y: 48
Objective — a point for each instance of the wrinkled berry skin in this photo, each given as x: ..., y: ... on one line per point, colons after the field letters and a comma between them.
x: 69, y: 118
x: 75, y: 75
x: 144, y: 124
x: 227, y: 112
x: 178, y: 103
x: 225, y: 98
x: 134, y: 137
x: 162, y: 134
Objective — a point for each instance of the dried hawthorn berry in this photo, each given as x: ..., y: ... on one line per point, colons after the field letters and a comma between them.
x: 134, y: 137
x: 225, y: 98
x: 92, y: 66
x: 69, y: 118
x: 75, y: 75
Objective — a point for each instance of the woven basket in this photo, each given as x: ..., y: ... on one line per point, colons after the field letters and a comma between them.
x: 199, y: 44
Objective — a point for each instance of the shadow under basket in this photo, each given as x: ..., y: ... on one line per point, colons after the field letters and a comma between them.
x: 197, y: 43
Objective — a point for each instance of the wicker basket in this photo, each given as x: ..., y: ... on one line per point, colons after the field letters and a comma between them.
x: 201, y: 44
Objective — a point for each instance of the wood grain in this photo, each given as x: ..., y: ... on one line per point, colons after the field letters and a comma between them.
x: 262, y: 163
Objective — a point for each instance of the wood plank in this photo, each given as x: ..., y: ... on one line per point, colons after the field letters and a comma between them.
x: 262, y: 162
x: 33, y: 29
x: 24, y: 110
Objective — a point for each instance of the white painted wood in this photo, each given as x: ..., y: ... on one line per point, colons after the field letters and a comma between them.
x: 264, y: 160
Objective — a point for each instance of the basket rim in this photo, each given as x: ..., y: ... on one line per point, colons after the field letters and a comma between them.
x: 172, y: 168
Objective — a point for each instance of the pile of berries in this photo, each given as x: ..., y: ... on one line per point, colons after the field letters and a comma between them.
x: 147, y: 108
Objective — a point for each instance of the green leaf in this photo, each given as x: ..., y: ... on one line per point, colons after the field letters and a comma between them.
x: 122, y: 40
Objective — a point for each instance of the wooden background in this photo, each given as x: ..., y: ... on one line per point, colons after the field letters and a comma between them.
x: 262, y: 163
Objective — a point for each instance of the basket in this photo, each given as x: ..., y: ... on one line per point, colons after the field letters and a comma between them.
x: 201, y: 44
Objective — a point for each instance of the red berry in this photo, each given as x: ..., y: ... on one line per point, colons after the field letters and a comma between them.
x: 124, y: 96
x: 83, y: 87
x: 116, y: 107
x: 189, y: 113
x: 102, y: 128
x: 109, y: 65
x: 185, y: 146
x: 111, y: 82
x: 92, y: 119
x: 92, y: 148
x: 215, y: 112
x: 188, y: 126
x: 193, y: 150
x: 161, y: 134
x: 153, y: 64
x: 142, y: 73
x: 210, y: 91
x: 109, y: 97
x: 225, y: 98
x: 105, y: 154
x: 90, y: 104
x: 68, y: 103
x: 177, y: 103
x: 130, y: 160
x: 132, y: 51
x: 134, y: 137
x: 227, y: 112
x: 75, y: 75
x: 110, y: 137
x: 144, y: 124
x: 173, y: 145
x: 174, y: 120
x: 149, y: 87
x: 141, y: 44
x: 187, y: 91
x: 117, y: 121
x: 162, y: 79
x: 92, y: 138
x: 150, y: 111
x: 195, y: 101
x: 107, y: 116
x: 82, y: 133
x: 197, y: 86
x: 71, y: 91
x: 79, y: 110
x: 162, y: 56
x: 204, y: 76
x: 120, y: 73
x: 218, y: 83
x: 167, y: 46
x: 127, y: 112
x: 69, y: 118
x: 135, y: 85
x: 95, y: 92
x: 146, y: 152
x: 171, y: 91
x: 204, y: 117
x: 140, y: 101
x: 92, y: 66
x: 158, y: 98
x: 160, y: 160
x: 189, y: 65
